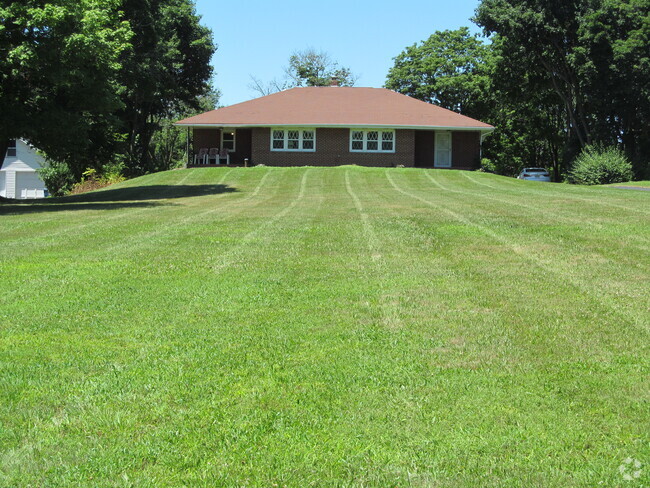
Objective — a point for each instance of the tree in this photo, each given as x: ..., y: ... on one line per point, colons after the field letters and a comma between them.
x: 530, y: 124
x: 166, y: 73
x: 594, y: 56
x: 449, y: 69
x: 89, y: 82
x: 313, y: 68
x: 458, y: 71
x: 306, y: 68
x: 168, y: 144
x: 59, y: 65
x: 614, y: 68
x: 267, y: 88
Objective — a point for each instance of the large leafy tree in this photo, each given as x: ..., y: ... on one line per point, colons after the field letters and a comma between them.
x: 167, y: 148
x: 307, y: 68
x: 449, y: 69
x: 167, y: 72
x: 530, y: 124
x: 614, y: 69
x: 458, y: 71
x: 317, y: 68
x: 547, y: 33
x: 59, y: 66
x: 595, y: 57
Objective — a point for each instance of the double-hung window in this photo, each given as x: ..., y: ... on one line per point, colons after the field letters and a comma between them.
x: 303, y: 140
x: 372, y: 140
x: 228, y: 140
x: 11, y: 150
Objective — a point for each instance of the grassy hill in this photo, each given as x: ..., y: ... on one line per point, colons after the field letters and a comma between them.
x: 326, y: 327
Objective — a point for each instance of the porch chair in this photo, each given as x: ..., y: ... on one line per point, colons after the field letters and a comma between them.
x: 213, y: 154
x: 224, y: 154
x: 201, y: 157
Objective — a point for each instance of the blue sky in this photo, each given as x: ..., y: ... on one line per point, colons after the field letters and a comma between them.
x: 257, y: 37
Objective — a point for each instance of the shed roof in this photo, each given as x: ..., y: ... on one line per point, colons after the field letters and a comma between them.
x: 336, y: 107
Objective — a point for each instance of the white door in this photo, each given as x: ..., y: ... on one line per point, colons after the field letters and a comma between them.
x: 442, y: 158
x: 29, y: 185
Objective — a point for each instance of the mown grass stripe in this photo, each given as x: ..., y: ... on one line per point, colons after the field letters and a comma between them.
x: 227, y: 258
x: 571, y: 192
x: 177, y: 225
x: 638, y: 242
x: 389, y: 310
x: 94, y: 220
x: 455, y: 260
x: 639, y: 321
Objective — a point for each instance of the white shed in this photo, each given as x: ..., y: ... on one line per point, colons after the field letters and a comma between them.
x: 18, y: 176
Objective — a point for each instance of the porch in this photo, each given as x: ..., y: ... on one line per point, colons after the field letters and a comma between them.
x: 218, y: 146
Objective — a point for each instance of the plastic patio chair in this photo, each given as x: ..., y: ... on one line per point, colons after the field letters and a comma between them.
x: 202, y: 156
x: 213, y: 154
x: 224, y: 154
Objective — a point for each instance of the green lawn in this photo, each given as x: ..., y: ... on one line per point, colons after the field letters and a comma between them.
x: 639, y: 184
x: 326, y: 327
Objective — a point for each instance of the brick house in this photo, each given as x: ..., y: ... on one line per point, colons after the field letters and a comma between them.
x: 331, y: 126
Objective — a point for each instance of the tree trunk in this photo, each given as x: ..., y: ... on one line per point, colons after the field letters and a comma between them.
x: 4, y: 145
x: 570, y: 101
x: 555, y: 156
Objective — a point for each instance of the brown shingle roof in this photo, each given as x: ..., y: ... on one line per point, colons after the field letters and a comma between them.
x: 336, y: 106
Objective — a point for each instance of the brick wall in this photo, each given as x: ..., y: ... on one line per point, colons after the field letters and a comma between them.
x: 465, y: 150
x: 425, y: 143
x: 332, y: 149
x: 242, y: 146
x: 412, y: 148
x: 206, y: 138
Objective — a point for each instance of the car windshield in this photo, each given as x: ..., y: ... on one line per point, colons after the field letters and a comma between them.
x: 535, y: 170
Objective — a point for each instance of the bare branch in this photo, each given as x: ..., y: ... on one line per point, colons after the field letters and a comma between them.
x: 264, y: 89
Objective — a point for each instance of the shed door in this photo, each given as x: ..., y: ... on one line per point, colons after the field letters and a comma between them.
x: 443, y: 150
x: 29, y: 185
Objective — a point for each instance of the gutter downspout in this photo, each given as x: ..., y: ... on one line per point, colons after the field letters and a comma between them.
x: 484, y: 134
x: 187, y: 148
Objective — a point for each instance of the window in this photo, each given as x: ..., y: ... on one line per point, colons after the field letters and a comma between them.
x: 228, y: 140
x: 293, y: 140
x: 11, y: 150
x: 372, y: 141
x: 278, y: 140
x: 388, y: 141
x: 357, y: 141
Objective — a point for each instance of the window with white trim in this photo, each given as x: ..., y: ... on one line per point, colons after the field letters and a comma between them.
x: 372, y: 140
x: 11, y: 149
x: 303, y: 140
x: 228, y: 140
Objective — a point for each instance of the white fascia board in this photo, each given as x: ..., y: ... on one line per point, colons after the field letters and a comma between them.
x: 339, y: 126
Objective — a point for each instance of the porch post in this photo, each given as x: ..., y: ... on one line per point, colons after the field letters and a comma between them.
x: 187, y: 149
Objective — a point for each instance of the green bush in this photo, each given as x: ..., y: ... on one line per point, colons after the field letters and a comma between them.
x: 60, y: 180
x: 487, y: 166
x: 91, y: 180
x: 58, y: 177
x: 599, y: 165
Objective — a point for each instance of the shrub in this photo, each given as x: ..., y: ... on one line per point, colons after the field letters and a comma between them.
x: 58, y: 177
x: 91, y: 180
x: 487, y: 166
x: 599, y: 165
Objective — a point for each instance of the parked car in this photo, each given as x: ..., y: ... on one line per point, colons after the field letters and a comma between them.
x: 534, y: 174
